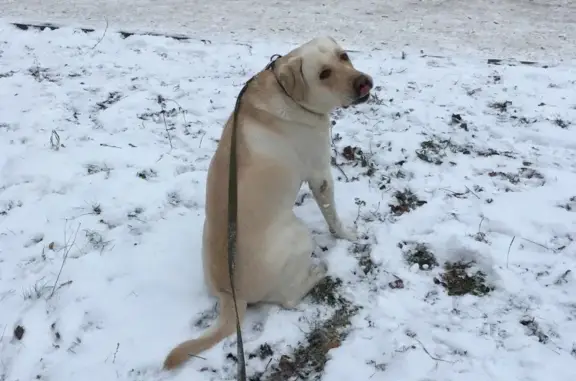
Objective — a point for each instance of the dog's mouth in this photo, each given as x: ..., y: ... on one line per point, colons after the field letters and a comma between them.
x: 362, y: 99
x: 359, y: 100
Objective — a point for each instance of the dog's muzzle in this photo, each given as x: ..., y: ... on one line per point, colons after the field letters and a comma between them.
x: 362, y: 86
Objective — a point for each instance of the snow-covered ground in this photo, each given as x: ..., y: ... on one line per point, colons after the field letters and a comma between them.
x: 104, y: 147
x: 523, y: 29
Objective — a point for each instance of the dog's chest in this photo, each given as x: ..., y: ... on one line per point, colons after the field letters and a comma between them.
x: 304, y: 149
x: 313, y: 152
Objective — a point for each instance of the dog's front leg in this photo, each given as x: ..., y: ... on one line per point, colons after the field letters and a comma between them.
x: 323, y: 190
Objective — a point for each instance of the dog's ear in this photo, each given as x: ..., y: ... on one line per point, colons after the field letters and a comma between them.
x: 291, y: 77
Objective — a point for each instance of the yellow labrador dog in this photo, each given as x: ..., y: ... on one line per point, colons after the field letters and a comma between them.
x: 283, y: 140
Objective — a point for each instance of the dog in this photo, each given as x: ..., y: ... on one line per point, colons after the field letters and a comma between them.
x: 283, y: 140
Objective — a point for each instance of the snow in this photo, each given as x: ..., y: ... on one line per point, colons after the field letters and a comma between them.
x: 523, y: 29
x: 102, y: 196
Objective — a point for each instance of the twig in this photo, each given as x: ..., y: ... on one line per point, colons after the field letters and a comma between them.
x: 509, y: 247
x: 538, y: 244
x: 55, y: 140
x: 181, y: 109
x: 201, y: 139
x: 247, y: 45
x: 480, y: 224
x: 3, y: 332
x: 67, y: 249
x: 115, y: 353
x: 103, y: 34
x: 267, y: 365
x: 456, y: 194
x: 196, y: 356
x: 394, y: 275
x: 166, y: 127
x: 334, y: 163
x: 562, y: 278
x: 360, y: 204
x: 108, y: 145
x: 478, y: 197
x: 428, y: 353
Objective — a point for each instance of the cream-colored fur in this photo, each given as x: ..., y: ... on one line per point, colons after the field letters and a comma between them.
x: 283, y: 141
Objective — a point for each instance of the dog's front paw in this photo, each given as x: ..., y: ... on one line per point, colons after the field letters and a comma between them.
x: 350, y: 234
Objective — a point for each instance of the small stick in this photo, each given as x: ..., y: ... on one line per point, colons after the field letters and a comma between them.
x: 108, y: 145
x: 478, y: 197
x: 55, y: 140
x: 166, y: 127
x: 103, y: 34
x: 509, y: 247
x: 537, y: 244
x: 428, y: 353
x: 115, y: 353
x: 334, y: 163
x: 66, y: 252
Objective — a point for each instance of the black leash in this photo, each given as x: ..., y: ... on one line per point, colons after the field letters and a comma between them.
x: 233, y: 220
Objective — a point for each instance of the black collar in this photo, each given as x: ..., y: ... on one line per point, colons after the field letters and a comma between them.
x: 271, y: 66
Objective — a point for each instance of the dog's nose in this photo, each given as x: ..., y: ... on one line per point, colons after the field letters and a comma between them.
x: 362, y: 84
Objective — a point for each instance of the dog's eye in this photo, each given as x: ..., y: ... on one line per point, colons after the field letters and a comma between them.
x: 344, y: 57
x: 325, y: 73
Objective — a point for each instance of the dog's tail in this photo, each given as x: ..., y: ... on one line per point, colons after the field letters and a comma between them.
x: 225, y: 326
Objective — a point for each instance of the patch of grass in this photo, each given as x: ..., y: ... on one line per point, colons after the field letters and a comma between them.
x: 562, y: 123
x: 523, y: 173
x: 96, y: 240
x: 113, y: 98
x: 530, y: 173
x: 158, y: 116
x: 406, y: 201
x: 174, y: 198
x: 458, y: 280
x: 419, y: 254
x: 96, y: 209
x: 263, y: 352
x: 146, y: 174
x: 34, y: 240
x: 8, y: 206
x: 492, y: 152
x: 435, y: 149
x: 135, y: 213
x: 524, y: 120
x: 7, y: 74
x: 207, y: 317
x: 569, y: 206
x: 357, y: 157
x: 362, y: 253
x: 93, y: 169
x: 500, y: 106
x: 456, y: 119
x: 308, y: 360
x: 326, y: 292
x: 35, y: 292
x: 533, y: 329
x: 480, y: 237
x: 41, y: 74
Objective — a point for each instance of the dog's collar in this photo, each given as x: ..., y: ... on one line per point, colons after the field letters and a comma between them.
x: 271, y: 66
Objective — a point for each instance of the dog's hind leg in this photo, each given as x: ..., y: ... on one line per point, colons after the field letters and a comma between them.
x: 300, y: 273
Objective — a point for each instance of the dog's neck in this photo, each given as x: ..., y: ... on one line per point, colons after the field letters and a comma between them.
x: 293, y: 100
x: 271, y: 67
x: 270, y: 97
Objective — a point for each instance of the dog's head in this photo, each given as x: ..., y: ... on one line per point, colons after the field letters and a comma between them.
x: 320, y: 76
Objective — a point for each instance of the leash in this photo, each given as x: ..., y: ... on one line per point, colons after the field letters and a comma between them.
x: 233, y: 219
